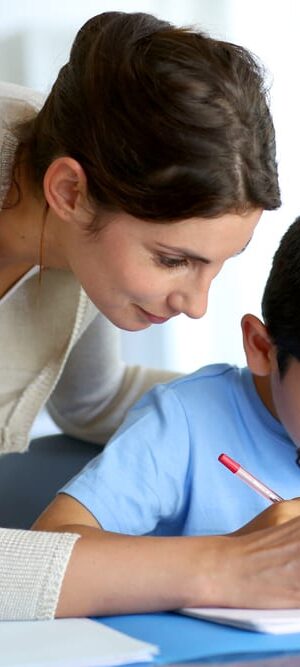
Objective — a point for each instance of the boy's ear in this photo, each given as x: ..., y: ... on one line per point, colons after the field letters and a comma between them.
x: 258, y: 347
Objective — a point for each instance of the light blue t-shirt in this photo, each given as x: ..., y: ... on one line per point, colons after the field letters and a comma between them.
x: 160, y: 473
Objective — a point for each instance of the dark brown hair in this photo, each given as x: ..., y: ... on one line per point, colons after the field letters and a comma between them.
x: 281, y: 299
x: 166, y: 122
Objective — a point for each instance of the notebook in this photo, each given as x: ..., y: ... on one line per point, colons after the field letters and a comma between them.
x: 68, y: 643
x: 273, y: 621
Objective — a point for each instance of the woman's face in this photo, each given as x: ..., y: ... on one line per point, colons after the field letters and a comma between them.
x: 141, y: 273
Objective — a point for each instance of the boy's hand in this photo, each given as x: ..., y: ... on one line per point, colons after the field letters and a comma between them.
x: 274, y: 515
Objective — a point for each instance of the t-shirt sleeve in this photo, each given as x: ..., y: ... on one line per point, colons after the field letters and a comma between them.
x: 141, y: 480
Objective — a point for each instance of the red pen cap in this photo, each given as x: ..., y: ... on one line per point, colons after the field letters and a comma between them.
x: 229, y: 463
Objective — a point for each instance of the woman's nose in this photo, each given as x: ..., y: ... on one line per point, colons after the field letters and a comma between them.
x: 192, y: 303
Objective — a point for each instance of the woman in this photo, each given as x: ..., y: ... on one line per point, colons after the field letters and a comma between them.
x: 147, y: 167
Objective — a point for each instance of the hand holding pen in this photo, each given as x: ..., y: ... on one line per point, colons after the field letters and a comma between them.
x: 249, y: 479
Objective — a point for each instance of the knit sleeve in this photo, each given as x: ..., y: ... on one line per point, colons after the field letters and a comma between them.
x: 97, y: 388
x: 32, y: 568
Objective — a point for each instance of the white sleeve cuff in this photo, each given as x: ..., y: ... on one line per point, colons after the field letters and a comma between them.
x: 32, y: 568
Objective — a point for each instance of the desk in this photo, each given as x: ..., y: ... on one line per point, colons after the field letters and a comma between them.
x: 183, y: 639
x: 281, y: 661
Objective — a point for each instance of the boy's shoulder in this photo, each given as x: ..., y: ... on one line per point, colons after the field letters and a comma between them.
x: 214, y: 389
x: 215, y: 382
x: 213, y: 374
x: 209, y: 385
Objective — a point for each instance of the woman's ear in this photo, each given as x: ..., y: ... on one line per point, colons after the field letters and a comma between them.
x: 65, y: 190
x: 258, y: 347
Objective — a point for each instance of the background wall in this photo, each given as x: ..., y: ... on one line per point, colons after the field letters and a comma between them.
x: 35, y: 39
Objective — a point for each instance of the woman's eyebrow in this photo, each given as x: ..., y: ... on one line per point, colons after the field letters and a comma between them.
x: 191, y: 255
x: 187, y: 253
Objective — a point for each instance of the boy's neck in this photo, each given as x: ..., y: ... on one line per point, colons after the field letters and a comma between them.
x: 263, y: 388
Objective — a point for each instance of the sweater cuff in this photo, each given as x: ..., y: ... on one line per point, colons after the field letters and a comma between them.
x: 32, y: 568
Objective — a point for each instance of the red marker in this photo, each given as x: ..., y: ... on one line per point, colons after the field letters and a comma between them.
x: 255, y: 484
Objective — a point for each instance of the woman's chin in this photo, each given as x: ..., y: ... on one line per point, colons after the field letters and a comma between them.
x: 132, y: 326
x: 127, y: 319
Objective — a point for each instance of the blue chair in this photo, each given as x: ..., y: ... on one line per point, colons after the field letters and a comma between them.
x: 29, y: 481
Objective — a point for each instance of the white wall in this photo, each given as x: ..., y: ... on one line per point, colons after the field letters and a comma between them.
x: 271, y: 30
x: 35, y: 38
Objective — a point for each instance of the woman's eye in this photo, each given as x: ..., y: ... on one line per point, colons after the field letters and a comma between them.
x: 172, y: 262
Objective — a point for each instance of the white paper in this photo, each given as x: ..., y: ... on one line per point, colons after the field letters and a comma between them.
x: 273, y: 621
x: 68, y: 643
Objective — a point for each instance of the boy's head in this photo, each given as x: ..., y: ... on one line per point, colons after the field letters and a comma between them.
x: 273, y: 348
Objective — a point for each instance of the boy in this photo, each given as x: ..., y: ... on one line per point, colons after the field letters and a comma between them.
x: 160, y: 474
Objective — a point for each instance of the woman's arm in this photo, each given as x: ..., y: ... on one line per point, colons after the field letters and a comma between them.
x: 96, y: 388
x: 275, y: 515
x: 110, y: 573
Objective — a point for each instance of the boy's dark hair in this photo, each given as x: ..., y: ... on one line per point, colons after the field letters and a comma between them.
x: 166, y: 122
x: 281, y: 298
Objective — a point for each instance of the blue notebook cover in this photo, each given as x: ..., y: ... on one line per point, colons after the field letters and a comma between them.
x: 183, y: 639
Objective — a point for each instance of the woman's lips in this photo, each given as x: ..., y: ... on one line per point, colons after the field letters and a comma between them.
x: 154, y: 319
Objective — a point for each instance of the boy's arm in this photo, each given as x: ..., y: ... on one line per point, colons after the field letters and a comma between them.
x: 110, y: 573
x: 142, y: 477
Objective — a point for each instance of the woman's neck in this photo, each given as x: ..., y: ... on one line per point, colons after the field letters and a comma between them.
x: 18, y: 238
x: 30, y: 233
x: 20, y: 224
x: 10, y: 275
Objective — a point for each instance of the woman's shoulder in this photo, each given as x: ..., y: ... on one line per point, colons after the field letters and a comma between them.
x: 15, y: 93
x: 17, y: 105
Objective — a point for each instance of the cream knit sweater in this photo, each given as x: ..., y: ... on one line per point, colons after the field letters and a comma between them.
x: 56, y: 349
